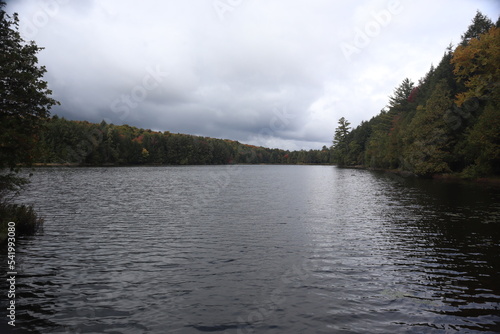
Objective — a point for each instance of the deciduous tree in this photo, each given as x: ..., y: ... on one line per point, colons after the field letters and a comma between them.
x: 477, y: 65
x: 25, y: 98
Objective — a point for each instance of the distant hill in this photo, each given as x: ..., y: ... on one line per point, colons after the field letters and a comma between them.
x: 84, y: 143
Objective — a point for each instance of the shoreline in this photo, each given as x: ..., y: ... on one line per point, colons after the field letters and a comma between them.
x: 454, y: 177
x: 67, y: 164
x: 491, y: 180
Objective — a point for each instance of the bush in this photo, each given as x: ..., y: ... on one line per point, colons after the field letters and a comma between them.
x: 25, y: 217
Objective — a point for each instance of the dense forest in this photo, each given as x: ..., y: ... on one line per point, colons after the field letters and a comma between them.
x: 84, y: 143
x: 447, y: 123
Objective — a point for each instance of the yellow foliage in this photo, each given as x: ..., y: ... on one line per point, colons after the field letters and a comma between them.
x: 477, y: 65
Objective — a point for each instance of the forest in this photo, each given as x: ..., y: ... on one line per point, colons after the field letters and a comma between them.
x: 83, y: 143
x: 447, y: 123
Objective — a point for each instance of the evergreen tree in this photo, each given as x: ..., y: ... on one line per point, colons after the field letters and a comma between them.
x: 484, y: 143
x: 480, y: 25
x: 401, y: 94
x: 428, y: 142
x: 340, y: 144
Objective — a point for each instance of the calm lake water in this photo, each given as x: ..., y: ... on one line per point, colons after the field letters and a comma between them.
x: 257, y: 249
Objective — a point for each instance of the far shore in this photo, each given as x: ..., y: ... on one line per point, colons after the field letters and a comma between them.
x: 493, y: 180
x: 54, y: 164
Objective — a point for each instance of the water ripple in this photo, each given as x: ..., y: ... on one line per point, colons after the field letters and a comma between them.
x: 264, y: 249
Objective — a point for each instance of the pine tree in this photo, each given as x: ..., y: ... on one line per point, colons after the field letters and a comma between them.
x: 480, y: 25
x: 401, y: 94
x: 428, y: 143
x: 340, y: 144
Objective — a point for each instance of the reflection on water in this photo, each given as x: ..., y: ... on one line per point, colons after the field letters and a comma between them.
x: 258, y: 249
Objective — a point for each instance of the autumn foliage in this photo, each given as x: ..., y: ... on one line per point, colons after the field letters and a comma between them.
x: 448, y: 123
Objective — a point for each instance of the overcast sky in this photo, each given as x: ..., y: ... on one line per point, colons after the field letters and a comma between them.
x: 276, y: 73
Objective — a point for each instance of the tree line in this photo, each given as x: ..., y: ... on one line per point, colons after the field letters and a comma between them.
x: 447, y: 123
x: 63, y: 141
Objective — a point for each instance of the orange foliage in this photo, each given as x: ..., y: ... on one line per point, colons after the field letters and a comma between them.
x: 477, y: 65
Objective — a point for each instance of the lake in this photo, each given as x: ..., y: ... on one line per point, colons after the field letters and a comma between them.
x: 257, y: 249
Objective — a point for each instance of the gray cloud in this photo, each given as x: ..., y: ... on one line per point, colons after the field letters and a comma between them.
x: 274, y: 73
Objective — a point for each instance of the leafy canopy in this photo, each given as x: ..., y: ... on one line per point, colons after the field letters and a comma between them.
x: 477, y: 65
x: 24, y: 100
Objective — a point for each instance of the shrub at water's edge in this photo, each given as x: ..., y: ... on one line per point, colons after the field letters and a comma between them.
x: 24, y: 216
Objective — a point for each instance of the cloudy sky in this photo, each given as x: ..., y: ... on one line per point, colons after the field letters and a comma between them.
x: 276, y: 73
